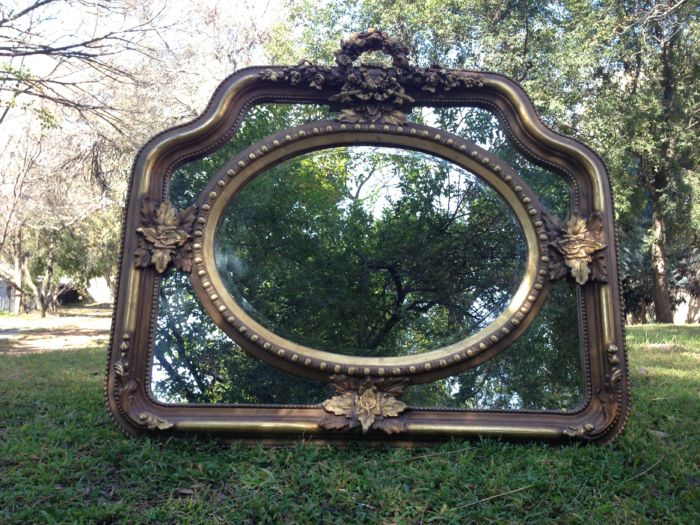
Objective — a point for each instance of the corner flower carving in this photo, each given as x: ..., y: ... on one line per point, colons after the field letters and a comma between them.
x: 580, y: 432
x: 371, y: 404
x: 575, y: 247
x: 165, y: 236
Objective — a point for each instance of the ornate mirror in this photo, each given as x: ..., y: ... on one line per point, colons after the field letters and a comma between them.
x: 382, y: 252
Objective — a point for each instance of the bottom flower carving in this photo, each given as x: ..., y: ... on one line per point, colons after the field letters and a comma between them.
x: 369, y: 403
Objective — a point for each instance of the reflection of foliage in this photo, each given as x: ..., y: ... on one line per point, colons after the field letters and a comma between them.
x: 540, y: 371
x: 261, y: 120
x: 370, y: 251
x: 195, y: 362
x: 483, y: 128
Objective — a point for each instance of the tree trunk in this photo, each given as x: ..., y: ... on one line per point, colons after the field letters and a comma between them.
x: 660, y: 180
x: 659, y: 267
x: 29, y: 282
x: 16, y: 281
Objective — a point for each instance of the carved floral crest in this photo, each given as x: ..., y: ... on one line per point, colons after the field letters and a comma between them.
x: 165, y: 236
x: 576, y: 247
x: 373, y: 92
x: 369, y: 403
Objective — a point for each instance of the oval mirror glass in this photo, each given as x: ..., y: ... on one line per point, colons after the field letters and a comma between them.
x: 370, y: 251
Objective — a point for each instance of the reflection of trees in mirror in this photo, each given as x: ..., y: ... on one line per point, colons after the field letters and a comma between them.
x: 195, y: 362
x: 370, y: 251
x: 482, y: 127
x: 542, y: 370
x: 259, y: 121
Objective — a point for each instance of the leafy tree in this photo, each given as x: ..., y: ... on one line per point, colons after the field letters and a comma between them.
x: 369, y: 250
x: 81, y: 89
x: 622, y: 75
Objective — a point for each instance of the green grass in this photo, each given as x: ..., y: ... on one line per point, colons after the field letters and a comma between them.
x: 62, y: 461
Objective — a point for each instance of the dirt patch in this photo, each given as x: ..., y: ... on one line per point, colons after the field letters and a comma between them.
x: 67, y: 329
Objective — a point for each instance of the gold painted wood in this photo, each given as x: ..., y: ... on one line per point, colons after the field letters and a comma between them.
x: 375, y: 98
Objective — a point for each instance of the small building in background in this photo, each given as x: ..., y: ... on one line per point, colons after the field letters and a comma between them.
x: 9, y: 297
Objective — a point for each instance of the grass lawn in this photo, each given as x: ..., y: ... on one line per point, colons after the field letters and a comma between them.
x: 62, y: 460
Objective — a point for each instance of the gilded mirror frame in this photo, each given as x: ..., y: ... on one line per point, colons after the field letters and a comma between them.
x: 372, y: 102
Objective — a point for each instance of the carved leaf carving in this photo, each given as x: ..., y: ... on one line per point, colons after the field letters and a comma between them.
x: 367, y: 407
x: 142, y: 256
x: 599, y: 269
x: 390, y: 426
x: 369, y: 403
x: 391, y: 407
x: 148, y: 211
x: 161, y: 258
x: 166, y: 214
x: 579, y: 269
x: 341, y: 405
x: 165, y: 236
x: 183, y: 259
x: 153, y: 422
x: 330, y: 422
x: 575, y: 246
x: 371, y: 92
x: 120, y: 368
x: 393, y: 387
x: 580, y: 431
x: 187, y: 218
x: 126, y: 394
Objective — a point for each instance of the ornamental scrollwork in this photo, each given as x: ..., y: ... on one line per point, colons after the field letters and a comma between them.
x: 152, y: 422
x: 125, y: 385
x: 576, y: 247
x: 372, y: 92
x: 165, y: 236
x: 370, y: 404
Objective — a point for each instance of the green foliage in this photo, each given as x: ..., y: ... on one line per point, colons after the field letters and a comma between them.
x: 63, y: 461
x: 78, y: 253
x: 370, y: 249
x: 621, y: 75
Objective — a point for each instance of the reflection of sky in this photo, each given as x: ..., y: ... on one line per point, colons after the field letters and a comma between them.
x: 376, y: 182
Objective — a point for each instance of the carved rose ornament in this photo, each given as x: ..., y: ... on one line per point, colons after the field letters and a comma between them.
x: 575, y: 247
x: 373, y: 92
x: 165, y: 236
x: 371, y: 404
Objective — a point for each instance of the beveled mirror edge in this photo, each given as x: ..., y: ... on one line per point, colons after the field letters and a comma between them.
x: 126, y: 396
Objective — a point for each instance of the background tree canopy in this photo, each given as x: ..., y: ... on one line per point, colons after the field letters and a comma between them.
x: 620, y: 75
